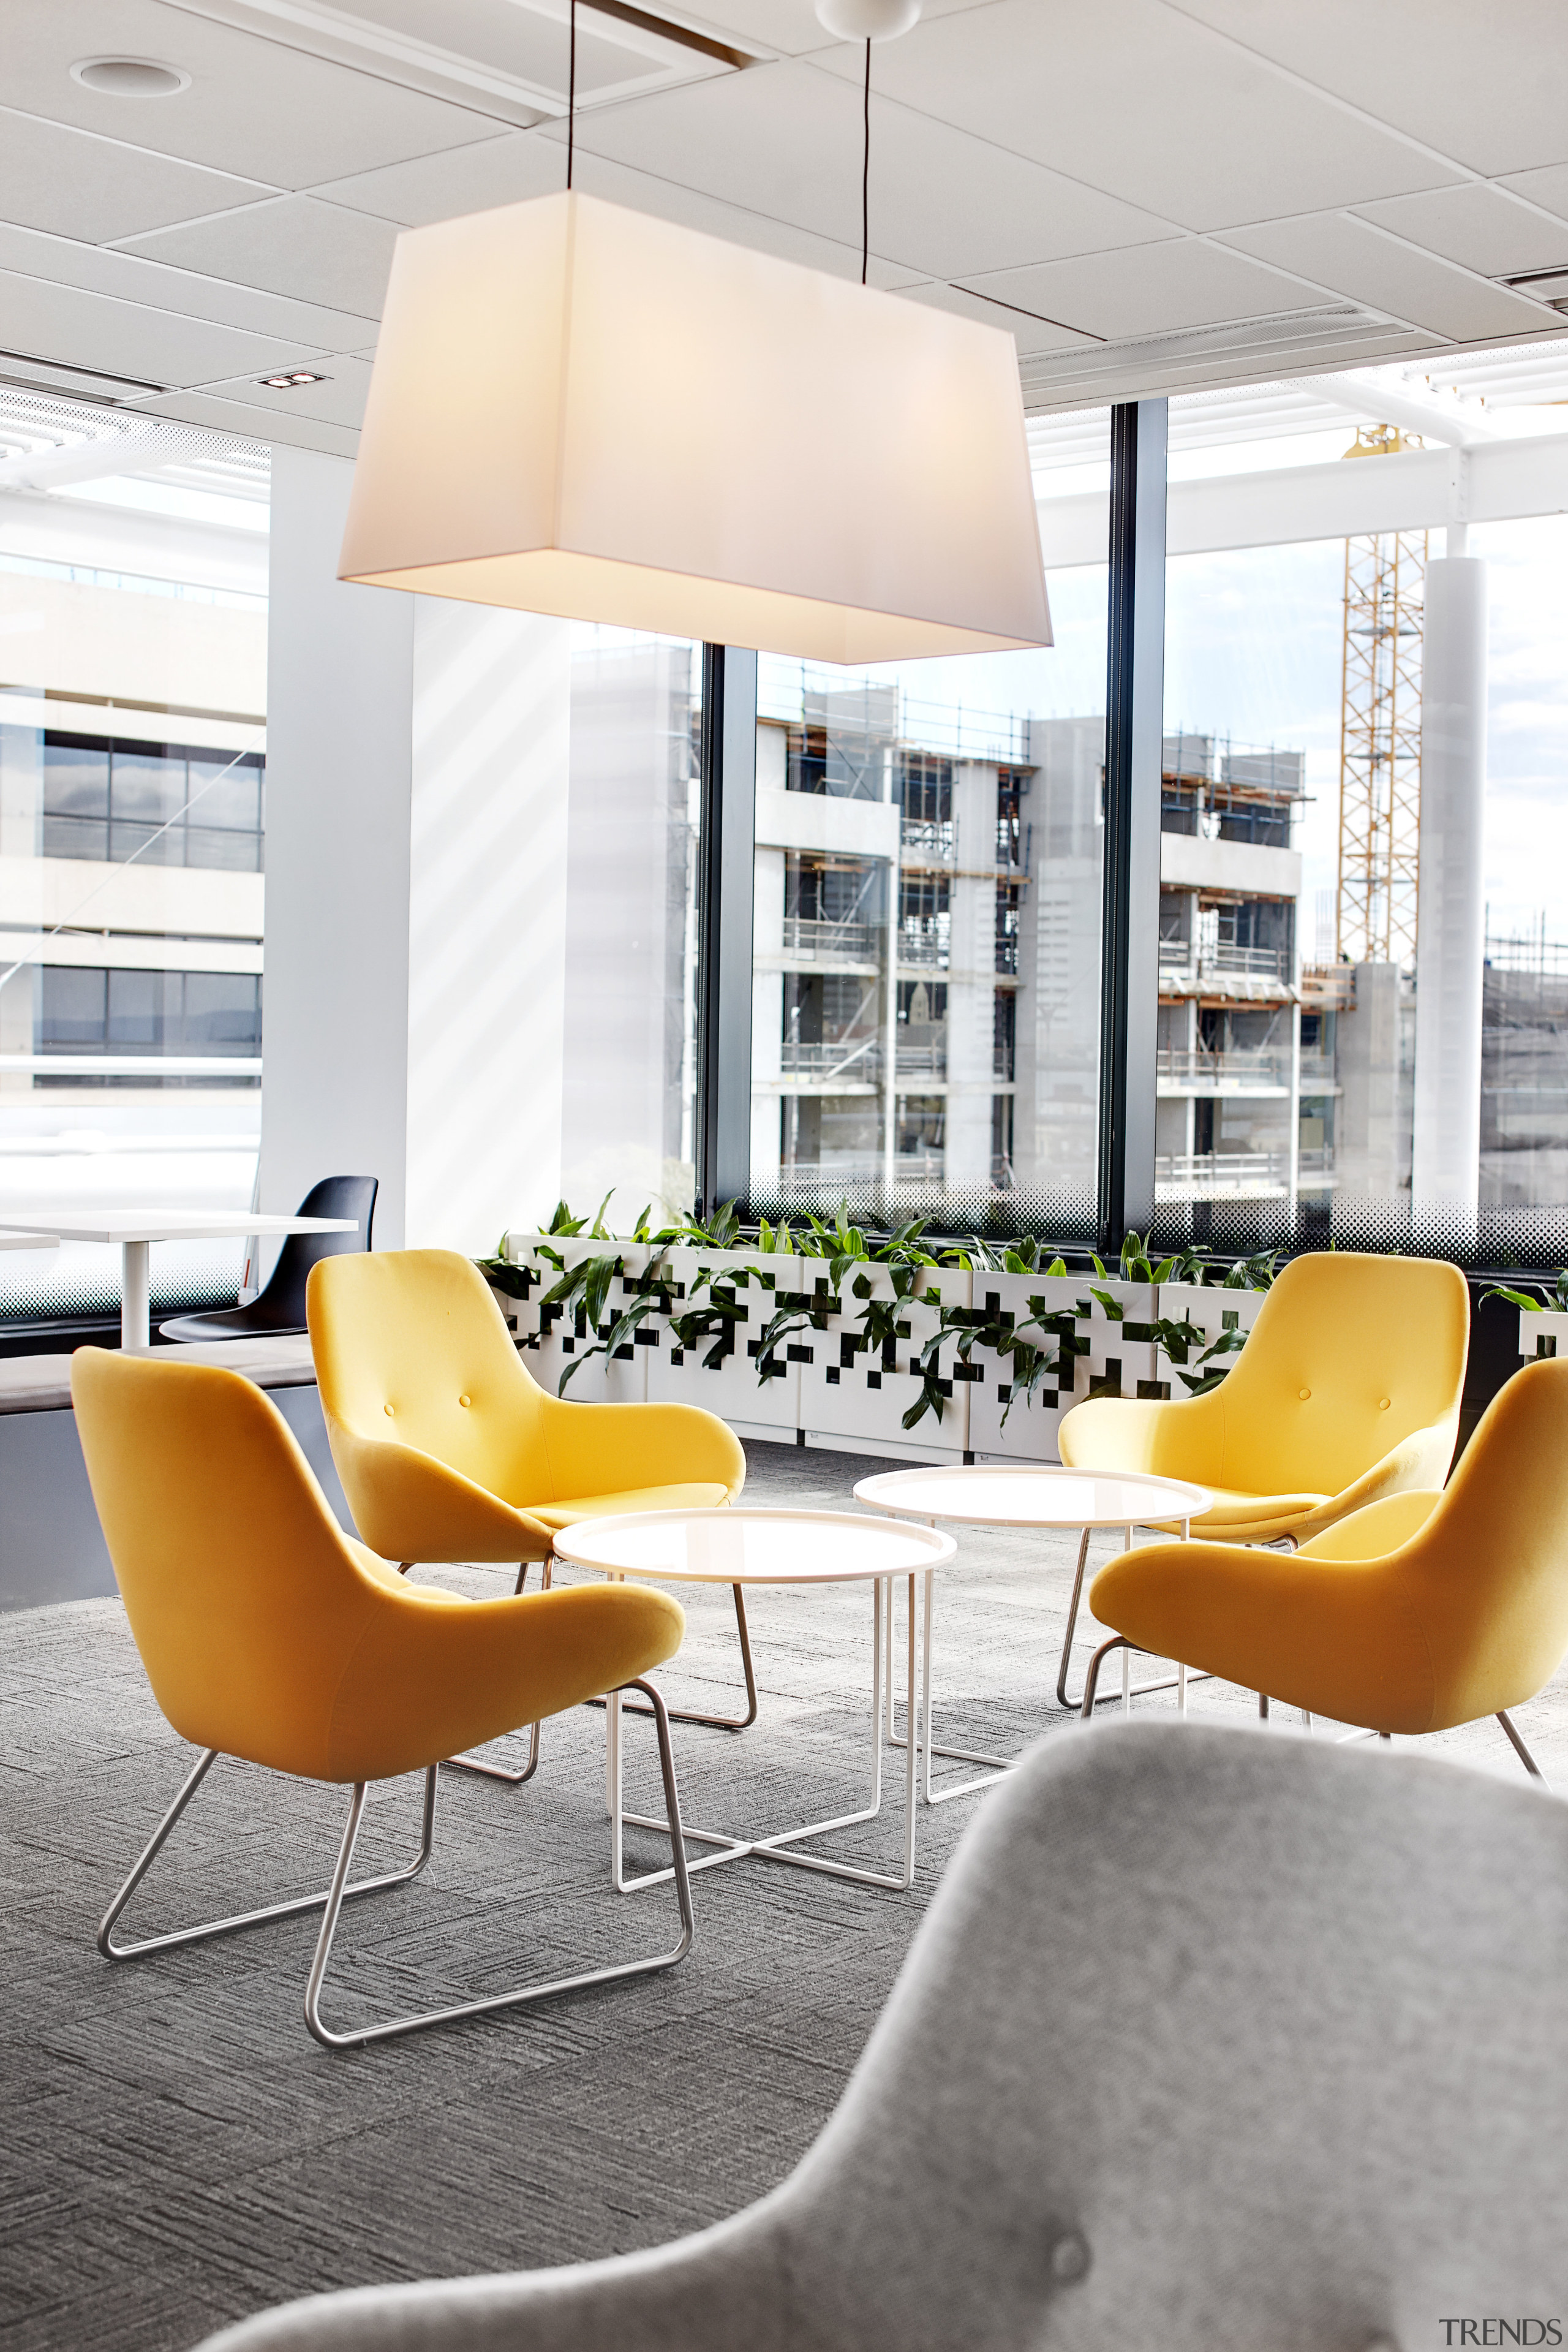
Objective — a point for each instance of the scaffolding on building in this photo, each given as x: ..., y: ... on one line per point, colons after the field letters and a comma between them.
x: 1380, y: 737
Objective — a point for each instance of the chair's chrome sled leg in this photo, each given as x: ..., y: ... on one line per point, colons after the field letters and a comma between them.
x: 357, y: 2037
x: 114, y: 1951
x: 1520, y: 1750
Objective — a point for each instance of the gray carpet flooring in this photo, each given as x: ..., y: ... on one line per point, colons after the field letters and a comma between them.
x: 177, y: 2151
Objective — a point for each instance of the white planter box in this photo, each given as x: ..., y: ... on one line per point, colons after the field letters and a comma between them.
x: 1111, y: 1357
x: 756, y: 1283
x: 1214, y: 1312
x: 549, y: 1338
x: 854, y: 1401
x: 1545, y: 1334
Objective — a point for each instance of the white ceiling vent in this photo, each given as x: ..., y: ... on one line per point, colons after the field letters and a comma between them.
x: 1549, y: 285
x: 509, y: 56
x: 32, y: 373
x: 1280, y: 343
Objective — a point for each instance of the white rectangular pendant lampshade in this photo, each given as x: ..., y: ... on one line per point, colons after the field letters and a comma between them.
x: 581, y: 409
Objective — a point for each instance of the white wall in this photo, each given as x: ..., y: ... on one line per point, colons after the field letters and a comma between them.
x: 415, y: 889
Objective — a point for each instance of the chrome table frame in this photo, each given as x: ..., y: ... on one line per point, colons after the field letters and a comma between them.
x: 331, y: 1902
x: 996, y: 1766
x: 775, y: 1846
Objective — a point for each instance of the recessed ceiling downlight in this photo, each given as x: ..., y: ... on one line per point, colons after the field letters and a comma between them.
x: 129, y: 76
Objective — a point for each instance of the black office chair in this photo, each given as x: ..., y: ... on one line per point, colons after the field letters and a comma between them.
x: 279, y: 1311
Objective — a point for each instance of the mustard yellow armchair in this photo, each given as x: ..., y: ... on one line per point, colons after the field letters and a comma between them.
x: 449, y: 1450
x: 268, y: 1636
x: 1347, y: 1389
x: 1416, y: 1614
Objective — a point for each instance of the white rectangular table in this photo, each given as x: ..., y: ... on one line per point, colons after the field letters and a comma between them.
x: 134, y: 1230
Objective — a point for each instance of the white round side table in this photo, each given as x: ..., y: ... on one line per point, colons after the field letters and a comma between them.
x: 1028, y: 1494
x: 760, y: 1547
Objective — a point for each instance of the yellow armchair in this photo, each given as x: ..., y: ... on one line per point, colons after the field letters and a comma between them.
x: 270, y: 1636
x: 449, y: 1450
x: 1347, y: 1391
x: 1419, y: 1612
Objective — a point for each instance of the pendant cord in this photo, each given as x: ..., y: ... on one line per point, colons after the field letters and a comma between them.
x: 571, y: 93
x: 865, y: 173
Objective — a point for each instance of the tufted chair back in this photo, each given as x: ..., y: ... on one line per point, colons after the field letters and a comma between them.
x: 1212, y: 2039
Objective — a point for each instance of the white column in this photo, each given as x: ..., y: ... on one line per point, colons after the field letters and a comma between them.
x: 971, y: 979
x: 1450, y: 943
x: 415, y: 890
x: 486, y: 921
x: 339, y: 779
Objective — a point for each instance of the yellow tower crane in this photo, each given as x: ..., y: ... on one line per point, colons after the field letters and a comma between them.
x: 1380, y: 734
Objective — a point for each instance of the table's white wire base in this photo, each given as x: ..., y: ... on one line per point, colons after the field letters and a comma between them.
x: 774, y: 1847
x: 998, y: 1765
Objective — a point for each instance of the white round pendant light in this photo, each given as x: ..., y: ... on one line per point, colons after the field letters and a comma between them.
x: 867, y: 20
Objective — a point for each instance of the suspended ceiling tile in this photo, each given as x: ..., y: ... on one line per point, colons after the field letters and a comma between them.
x: 1134, y: 98
x: 294, y: 246
x: 256, y: 107
x: 1548, y: 188
x: 1031, y: 335
x: 56, y: 178
x: 1478, y: 227
x: 1346, y: 256
x: 237, y: 416
x: 533, y: 163
x: 787, y: 140
x: 131, y: 278
x: 1148, y: 289
x: 128, y: 339
x: 338, y: 399
x: 1485, y: 85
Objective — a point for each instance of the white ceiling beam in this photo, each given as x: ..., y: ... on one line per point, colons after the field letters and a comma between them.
x: 1384, y: 398
x: 86, y: 461
x: 1417, y: 489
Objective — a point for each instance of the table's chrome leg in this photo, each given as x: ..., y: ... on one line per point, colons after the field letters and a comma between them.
x: 1139, y: 1690
x: 1062, y: 1697
x: 771, y: 1849
x: 613, y: 1791
x: 135, y: 1298
x: 912, y: 1761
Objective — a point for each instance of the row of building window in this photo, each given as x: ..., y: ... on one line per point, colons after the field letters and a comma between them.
x: 162, y: 803
x: 85, y: 1009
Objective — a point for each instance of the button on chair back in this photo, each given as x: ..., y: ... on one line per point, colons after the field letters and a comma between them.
x: 279, y: 1311
x: 1348, y: 1387
x: 1211, y: 2041
x: 449, y: 1450
x: 414, y: 1353
x: 1349, y: 1356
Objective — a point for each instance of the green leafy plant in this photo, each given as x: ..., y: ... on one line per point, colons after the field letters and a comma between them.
x: 1179, y: 1337
x: 1552, y: 1301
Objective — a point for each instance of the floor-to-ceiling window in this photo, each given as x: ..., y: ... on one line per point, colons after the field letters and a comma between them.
x: 927, y: 914
x: 1298, y: 671
x: 133, y: 830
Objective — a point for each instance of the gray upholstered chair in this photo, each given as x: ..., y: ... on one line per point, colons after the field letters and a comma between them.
x: 1212, y: 2040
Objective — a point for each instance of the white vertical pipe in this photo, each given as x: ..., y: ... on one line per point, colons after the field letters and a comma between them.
x: 1451, y: 939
